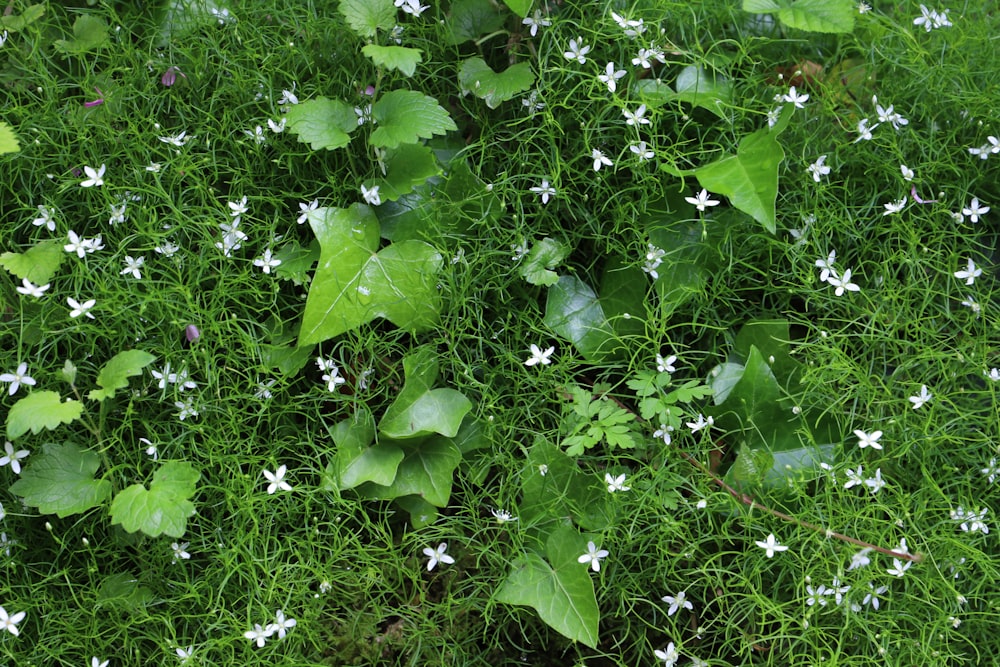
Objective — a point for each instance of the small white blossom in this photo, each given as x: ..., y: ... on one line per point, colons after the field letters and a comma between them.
x: 544, y: 190
x: 973, y: 211
x: 438, y: 555
x: 611, y: 76
x: 267, y: 261
x: 535, y: 21
x: 677, y: 602
x: 180, y: 551
x: 701, y: 200
x: 869, y: 440
x: 771, y: 545
x: 30, y: 289
x: 133, y: 266
x: 95, y: 178
x: 79, y: 309
x: 577, y: 51
x: 921, y: 398
x: 795, y: 98
x: 970, y: 273
x: 615, y: 483
x: 304, y: 210
x: 276, y: 480
x: 593, y: 556
x: 860, y: 559
x: 894, y: 207
x: 666, y: 365
x: 539, y: 356
x: 599, y: 159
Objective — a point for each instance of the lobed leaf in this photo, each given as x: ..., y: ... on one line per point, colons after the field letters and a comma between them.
x: 398, y: 58
x: 544, y: 256
x: 494, y: 88
x: 61, y: 481
x: 164, y: 508
x: 367, y: 17
x: 114, y: 375
x: 38, y: 410
x: 38, y: 263
x: 323, y: 123
x: 89, y: 33
x: 420, y: 410
x: 8, y: 140
x: 406, y: 116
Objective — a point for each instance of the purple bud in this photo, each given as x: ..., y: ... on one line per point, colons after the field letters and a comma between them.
x: 369, y: 91
x: 99, y: 100
x: 191, y: 333
x: 169, y: 77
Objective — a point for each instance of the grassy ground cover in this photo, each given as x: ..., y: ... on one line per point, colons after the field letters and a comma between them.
x: 604, y: 333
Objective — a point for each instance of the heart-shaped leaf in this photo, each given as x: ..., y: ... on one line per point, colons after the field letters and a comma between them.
x: 406, y: 117
x: 394, y: 57
x: 355, y: 283
x: 574, y: 312
x: 494, y: 88
x: 420, y: 410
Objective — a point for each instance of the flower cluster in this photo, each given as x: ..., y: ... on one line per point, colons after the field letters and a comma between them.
x: 828, y: 273
x: 259, y: 635
x: 970, y: 521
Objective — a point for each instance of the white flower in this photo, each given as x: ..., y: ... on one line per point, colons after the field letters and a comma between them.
x: 826, y: 266
x: 818, y: 169
x: 898, y: 568
x: 539, y: 356
x: 771, y: 545
x: 577, y: 51
x: 664, y: 433
x: 669, y: 655
x: 77, y: 244
x: 279, y: 127
x: 412, y: 7
x: 925, y: 19
x: 184, y: 654
x: 610, y: 76
x: 305, y: 208
x: 865, y: 132
x: 888, y: 115
x: 599, y: 159
x: 816, y: 596
x: 186, y: 408
x: 666, y: 365
x: 993, y: 374
x: 677, y: 603
x: 118, y: 213
x: 642, y: 151
x: 503, y: 516
x: 132, y: 265
x: 81, y: 308
x: 30, y: 289
x: 167, y: 249
x: 9, y: 623
x: 636, y: 117
x: 288, y: 96
x: 701, y: 423
x: 258, y: 634
x: 266, y: 262
x: 632, y: 27
x: 237, y: 208
x: 277, y: 480
x: 593, y: 556
x: 654, y: 257
x: 154, y: 167
x: 95, y: 178
x: 796, y: 99
x: 545, y: 190
x: 992, y: 471
x: 438, y: 555
x: 860, y: 559
x: 44, y: 219
x: 13, y: 457
x: 773, y: 115
x: 333, y: 378
x: 701, y: 200
x: 371, y: 196
x: 921, y: 398
x: 970, y: 273
x: 974, y: 210
x: 843, y: 283
x: 907, y: 172
x: 257, y: 134
x: 178, y: 140
x: 17, y: 378
x: 643, y: 58
x: 854, y: 477
x: 616, y: 483
x: 894, y: 207
x: 869, y: 440
x: 875, y: 483
x: 281, y: 624
x: 871, y: 598
x: 180, y: 551
x: 535, y: 21
x: 969, y: 302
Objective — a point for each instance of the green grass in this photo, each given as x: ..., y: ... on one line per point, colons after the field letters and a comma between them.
x: 350, y: 569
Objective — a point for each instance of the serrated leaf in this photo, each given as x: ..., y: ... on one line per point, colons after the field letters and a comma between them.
x: 419, y: 409
x: 354, y: 284
x: 8, y: 140
x: 407, y: 167
x: 544, y: 256
x: 89, y: 33
x: 323, y: 123
x: 427, y: 470
x: 116, y: 372
x: 398, y: 58
x: 471, y: 19
x: 181, y: 17
x: 16, y: 22
x: 761, y: 6
x: 827, y: 16
x: 406, y: 116
x: 560, y: 590
x: 38, y: 410
x: 494, y: 88
x: 164, y: 508
x: 60, y: 481
x: 38, y: 264
x: 573, y: 311
x: 367, y: 17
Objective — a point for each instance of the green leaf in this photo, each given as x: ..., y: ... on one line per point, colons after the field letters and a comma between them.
x: 519, y: 7
x: 296, y: 262
x: 367, y: 17
x: 755, y: 406
x: 420, y: 410
x: 38, y: 410
x: 406, y: 116
x: 772, y: 340
x: 16, y: 22
x: 761, y: 6
x: 323, y: 123
x: 471, y: 19
x: 8, y: 140
x: 61, y: 481
x: 427, y: 470
x: 476, y: 77
x: 38, y: 264
x: 560, y: 590
x: 407, y: 167
x: 701, y: 88
x: 181, y: 17
x: 421, y: 512
x: 89, y: 33
x: 354, y: 284
x: 623, y: 297
x: 356, y: 460
x: 828, y: 16
x: 544, y: 256
x: 116, y: 372
x: 394, y: 57
x: 564, y: 490
x: 123, y: 590
x: 162, y: 509
x: 573, y: 311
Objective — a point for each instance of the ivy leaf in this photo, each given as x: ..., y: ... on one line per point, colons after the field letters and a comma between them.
x: 116, y: 372
x: 8, y: 140
x: 354, y: 284
x: 323, y: 123
x: 61, y: 481
x: 476, y: 77
x: 471, y: 19
x: 357, y: 460
x: 427, y: 470
x: 564, y: 490
x: 38, y: 410
x: 560, y: 590
x: 406, y: 116
x: 573, y: 311
x: 420, y: 410
x: 296, y: 262
x: 702, y: 89
x: 38, y: 264
x: 162, y: 509
x: 89, y: 33
x: 407, y: 167
x: 16, y: 22
x: 394, y: 57
x: 366, y: 17
x: 544, y: 256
